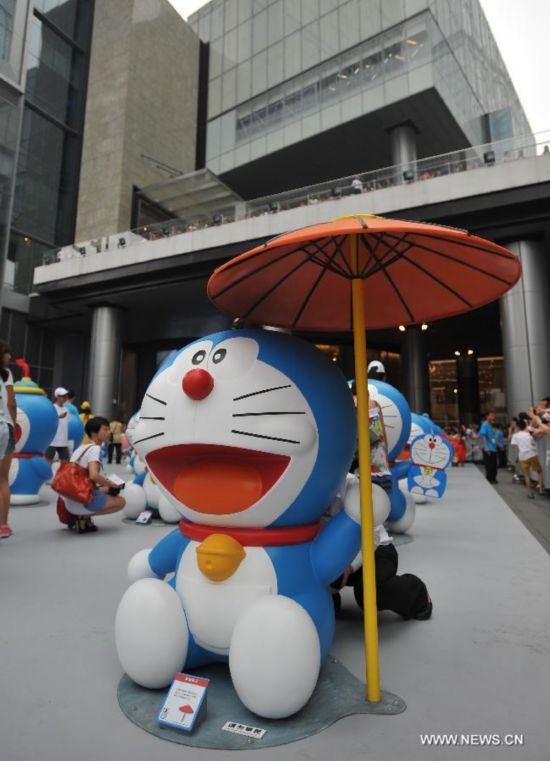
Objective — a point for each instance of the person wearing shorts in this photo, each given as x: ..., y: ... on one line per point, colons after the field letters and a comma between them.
x: 106, y: 497
x: 523, y: 443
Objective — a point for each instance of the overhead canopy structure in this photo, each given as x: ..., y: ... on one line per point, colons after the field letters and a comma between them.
x: 192, y: 195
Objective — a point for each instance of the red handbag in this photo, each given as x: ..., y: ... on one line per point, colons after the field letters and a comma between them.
x: 73, y: 482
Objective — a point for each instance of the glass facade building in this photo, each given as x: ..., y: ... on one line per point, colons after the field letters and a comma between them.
x: 44, y: 207
x: 283, y: 72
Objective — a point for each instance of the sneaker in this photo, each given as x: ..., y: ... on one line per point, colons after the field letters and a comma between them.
x: 530, y: 496
x: 425, y: 613
x: 5, y: 531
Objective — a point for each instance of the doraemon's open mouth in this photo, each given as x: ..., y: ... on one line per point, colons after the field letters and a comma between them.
x: 218, y: 480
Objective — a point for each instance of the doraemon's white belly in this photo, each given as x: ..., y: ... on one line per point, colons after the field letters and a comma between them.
x: 212, y: 608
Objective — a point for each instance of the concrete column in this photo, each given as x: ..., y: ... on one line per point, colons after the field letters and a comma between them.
x: 414, y: 370
x: 525, y: 317
x: 468, y: 389
x: 105, y: 348
x: 403, y: 148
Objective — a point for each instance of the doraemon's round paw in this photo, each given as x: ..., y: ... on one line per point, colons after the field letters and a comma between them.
x: 380, y: 502
x: 139, y: 567
x: 135, y: 500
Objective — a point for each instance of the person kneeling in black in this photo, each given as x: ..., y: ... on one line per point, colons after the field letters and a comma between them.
x: 404, y: 594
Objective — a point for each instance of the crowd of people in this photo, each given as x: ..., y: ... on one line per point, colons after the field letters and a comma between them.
x: 513, y: 447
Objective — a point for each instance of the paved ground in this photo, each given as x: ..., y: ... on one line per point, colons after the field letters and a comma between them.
x: 481, y: 665
x: 533, y: 513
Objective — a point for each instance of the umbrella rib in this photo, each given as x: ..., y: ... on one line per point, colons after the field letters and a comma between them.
x: 315, y: 284
x: 383, y: 262
x: 458, y: 261
x: 458, y: 242
x: 274, y: 287
x: 438, y: 280
x: 244, y: 277
x: 329, y: 262
x: 390, y: 281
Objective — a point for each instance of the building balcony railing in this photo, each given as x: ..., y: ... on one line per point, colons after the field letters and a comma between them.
x: 464, y: 160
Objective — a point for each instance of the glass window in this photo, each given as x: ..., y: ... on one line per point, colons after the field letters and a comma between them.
x: 50, y: 73
x: 7, y: 12
x: 259, y: 73
x: 275, y: 64
x: 229, y: 90
x: 330, y: 42
x: 230, y: 49
x: 244, y: 33
x: 349, y: 24
x: 230, y: 15
x: 259, y: 32
x: 244, y: 81
x: 291, y: 16
x: 275, y: 22
x: 292, y: 55
x: 62, y: 13
x: 311, y: 46
x: 216, y: 22
x: 310, y: 11
x: 38, y: 182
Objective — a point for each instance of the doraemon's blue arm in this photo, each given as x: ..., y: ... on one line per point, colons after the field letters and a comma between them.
x: 400, y: 469
x: 41, y: 468
x: 164, y: 556
x: 335, y: 547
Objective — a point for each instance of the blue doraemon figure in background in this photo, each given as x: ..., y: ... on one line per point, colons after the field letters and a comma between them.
x: 35, y: 427
x: 76, y: 426
x: 431, y: 454
x: 397, y: 422
x: 250, y: 433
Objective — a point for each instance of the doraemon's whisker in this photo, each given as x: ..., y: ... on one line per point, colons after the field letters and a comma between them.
x: 154, y: 398
x: 263, y: 391
x: 145, y: 438
x: 151, y: 418
x: 259, y: 414
x: 261, y: 436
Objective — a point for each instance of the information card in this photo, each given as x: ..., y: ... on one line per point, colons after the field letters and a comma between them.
x: 185, y: 704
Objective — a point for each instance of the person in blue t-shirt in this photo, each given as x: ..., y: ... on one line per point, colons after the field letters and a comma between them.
x: 488, y: 443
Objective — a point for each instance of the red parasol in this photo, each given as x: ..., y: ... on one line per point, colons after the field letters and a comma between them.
x: 357, y: 272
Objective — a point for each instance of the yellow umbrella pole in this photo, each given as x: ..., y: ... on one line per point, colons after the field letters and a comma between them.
x: 365, y: 487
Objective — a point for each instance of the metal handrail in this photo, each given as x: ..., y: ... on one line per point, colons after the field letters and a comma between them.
x: 465, y: 159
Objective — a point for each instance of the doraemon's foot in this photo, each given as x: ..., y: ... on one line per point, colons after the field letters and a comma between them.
x: 431, y: 493
x: 274, y: 657
x: 151, y: 633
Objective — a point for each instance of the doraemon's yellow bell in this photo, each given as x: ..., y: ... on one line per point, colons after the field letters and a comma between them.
x: 219, y: 556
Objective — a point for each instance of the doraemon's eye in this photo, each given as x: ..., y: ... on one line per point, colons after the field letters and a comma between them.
x: 219, y: 356
x: 198, y: 357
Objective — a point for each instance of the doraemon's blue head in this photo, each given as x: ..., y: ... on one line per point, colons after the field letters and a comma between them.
x: 422, y: 424
x: 36, y: 418
x: 248, y: 428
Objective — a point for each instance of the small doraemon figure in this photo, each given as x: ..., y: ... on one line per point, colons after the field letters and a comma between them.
x: 35, y: 427
x: 250, y: 433
x: 430, y: 455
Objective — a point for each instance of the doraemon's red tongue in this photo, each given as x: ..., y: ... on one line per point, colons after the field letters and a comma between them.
x: 216, y: 480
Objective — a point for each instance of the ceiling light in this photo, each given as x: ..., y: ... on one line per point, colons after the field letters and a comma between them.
x: 424, y: 326
x: 470, y: 352
x: 411, y: 42
x: 402, y: 328
x: 455, y: 391
x: 457, y: 353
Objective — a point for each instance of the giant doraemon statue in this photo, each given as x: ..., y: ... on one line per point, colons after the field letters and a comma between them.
x: 35, y: 428
x: 250, y: 433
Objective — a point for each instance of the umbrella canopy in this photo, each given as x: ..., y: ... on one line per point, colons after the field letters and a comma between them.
x: 411, y: 272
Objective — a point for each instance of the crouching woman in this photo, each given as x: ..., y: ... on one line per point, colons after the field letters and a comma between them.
x: 106, y: 497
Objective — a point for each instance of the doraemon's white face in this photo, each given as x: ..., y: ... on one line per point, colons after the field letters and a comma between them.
x: 229, y: 439
x: 393, y: 420
x: 22, y: 429
x: 430, y: 450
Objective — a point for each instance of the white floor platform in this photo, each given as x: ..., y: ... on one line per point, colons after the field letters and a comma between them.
x: 480, y: 666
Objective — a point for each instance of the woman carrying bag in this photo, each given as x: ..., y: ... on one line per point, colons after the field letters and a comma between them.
x: 82, y: 478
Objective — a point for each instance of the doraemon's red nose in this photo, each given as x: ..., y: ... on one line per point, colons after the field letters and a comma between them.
x: 197, y: 384
x: 431, y: 445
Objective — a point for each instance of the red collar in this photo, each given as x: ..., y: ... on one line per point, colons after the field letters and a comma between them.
x: 27, y: 455
x: 253, y: 537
